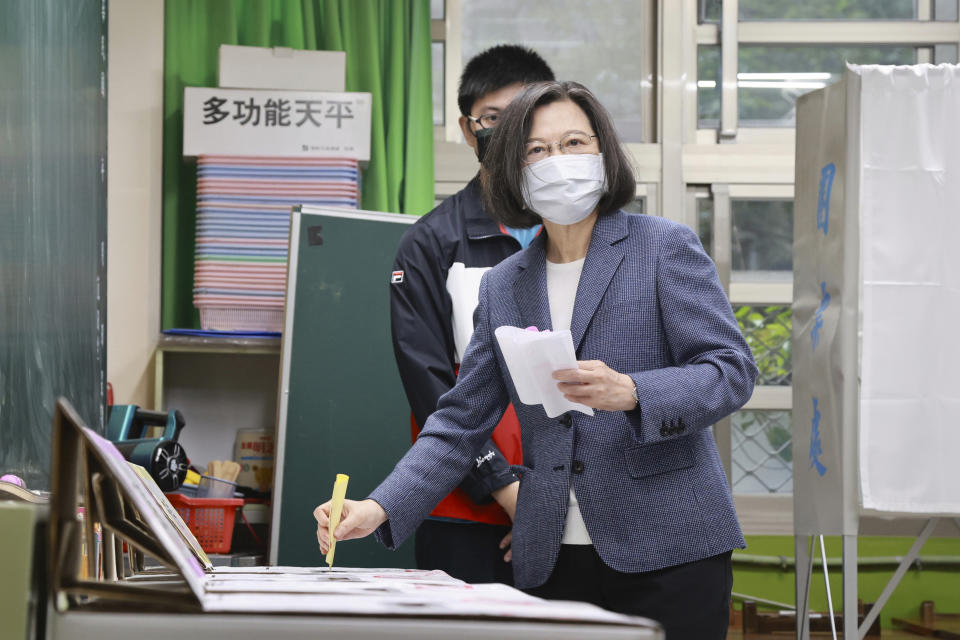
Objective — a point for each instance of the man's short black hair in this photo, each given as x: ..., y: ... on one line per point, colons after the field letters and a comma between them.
x: 498, y: 67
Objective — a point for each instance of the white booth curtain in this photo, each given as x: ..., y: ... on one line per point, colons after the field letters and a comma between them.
x: 910, y: 252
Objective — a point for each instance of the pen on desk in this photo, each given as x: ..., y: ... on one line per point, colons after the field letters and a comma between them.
x: 336, y: 508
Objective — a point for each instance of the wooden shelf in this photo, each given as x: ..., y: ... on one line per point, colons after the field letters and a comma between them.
x: 201, y: 344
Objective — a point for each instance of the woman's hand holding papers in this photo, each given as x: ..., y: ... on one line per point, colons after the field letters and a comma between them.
x: 597, y: 386
x: 358, y: 519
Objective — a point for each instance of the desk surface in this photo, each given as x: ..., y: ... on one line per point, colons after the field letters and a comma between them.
x: 159, y: 626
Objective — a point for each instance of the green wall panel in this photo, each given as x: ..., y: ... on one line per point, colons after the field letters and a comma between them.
x: 939, y: 584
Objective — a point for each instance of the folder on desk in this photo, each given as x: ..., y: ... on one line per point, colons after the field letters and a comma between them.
x: 88, y: 470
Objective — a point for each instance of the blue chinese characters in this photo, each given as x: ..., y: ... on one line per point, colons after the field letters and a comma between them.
x: 823, y: 199
x: 818, y: 320
x: 816, y: 448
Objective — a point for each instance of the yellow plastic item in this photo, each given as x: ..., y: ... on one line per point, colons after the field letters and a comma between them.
x: 336, y: 508
x: 192, y: 477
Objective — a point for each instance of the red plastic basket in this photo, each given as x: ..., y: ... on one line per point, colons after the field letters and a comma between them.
x: 210, y: 519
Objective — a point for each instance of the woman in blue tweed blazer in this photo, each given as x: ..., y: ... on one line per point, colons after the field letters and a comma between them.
x: 628, y: 508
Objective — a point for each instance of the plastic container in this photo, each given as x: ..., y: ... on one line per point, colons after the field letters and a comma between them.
x: 240, y: 319
x: 209, y: 519
x: 189, y: 490
x: 213, y: 487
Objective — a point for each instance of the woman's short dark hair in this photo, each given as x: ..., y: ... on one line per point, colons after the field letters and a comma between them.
x: 503, y: 163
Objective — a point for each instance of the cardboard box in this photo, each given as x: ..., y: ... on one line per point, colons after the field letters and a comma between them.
x: 282, y: 68
x: 254, y: 452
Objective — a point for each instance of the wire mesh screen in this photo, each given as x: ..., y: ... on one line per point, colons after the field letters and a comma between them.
x: 762, y: 457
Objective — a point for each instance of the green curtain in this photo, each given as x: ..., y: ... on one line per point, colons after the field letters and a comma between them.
x: 387, y: 43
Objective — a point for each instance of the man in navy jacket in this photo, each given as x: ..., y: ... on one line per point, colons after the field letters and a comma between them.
x: 434, y: 287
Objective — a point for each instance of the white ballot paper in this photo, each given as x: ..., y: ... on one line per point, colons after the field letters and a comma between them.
x: 532, y: 356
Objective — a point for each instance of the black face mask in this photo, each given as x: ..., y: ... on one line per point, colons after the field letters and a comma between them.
x: 483, y: 137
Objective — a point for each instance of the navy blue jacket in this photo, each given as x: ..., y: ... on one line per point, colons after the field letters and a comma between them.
x: 648, y: 481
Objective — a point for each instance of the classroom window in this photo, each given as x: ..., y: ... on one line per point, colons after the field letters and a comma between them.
x: 945, y: 10
x: 761, y: 237
x: 436, y: 70
x: 762, y: 454
x: 771, y: 77
x: 767, y: 329
x: 710, y: 10
x: 708, y: 86
x: 705, y: 223
x: 637, y: 205
x: 583, y: 40
x: 945, y: 53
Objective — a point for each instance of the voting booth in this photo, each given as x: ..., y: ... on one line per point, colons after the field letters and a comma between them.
x: 876, y: 399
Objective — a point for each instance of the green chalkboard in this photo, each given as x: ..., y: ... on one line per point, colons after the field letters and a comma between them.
x: 53, y: 223
x: 342, y: 408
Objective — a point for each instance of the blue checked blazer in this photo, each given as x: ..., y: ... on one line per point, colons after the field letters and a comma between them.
x: 648, y: 481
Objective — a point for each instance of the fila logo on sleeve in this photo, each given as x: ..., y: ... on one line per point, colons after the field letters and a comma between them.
x: 396, y: 277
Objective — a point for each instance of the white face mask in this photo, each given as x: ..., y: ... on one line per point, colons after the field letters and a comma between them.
x: 566, y: 188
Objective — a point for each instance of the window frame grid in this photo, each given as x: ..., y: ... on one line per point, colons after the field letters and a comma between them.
x: 924, y: 34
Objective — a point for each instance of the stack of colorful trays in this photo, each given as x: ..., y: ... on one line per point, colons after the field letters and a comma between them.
x: 243, y: 227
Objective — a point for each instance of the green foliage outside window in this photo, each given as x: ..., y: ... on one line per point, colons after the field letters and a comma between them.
x: 767, y: 330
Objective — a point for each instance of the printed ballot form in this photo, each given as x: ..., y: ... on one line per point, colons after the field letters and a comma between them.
x: 532, y: 356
